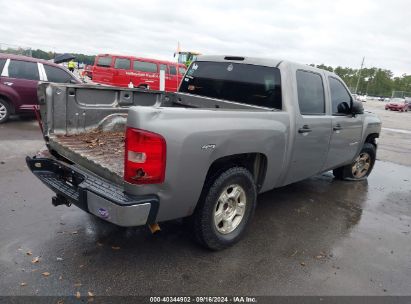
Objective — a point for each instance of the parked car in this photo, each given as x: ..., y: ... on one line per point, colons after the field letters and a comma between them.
x: 355, y: 97
x: 237, y: 127
x: 362, y: 98
x: 18, y: 82
x: 123, y: 71
x: 397, y: 104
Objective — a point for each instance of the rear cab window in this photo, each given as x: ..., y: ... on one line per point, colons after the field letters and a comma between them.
x: 104, y: 61
x: 122, y: 63
x: 23, y: 70
x: 244, y: 83
x: 310, y: 88
x: 55, y: 74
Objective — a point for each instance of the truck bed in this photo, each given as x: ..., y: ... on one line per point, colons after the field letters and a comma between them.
x: 98, y: 151
x: 85, y: 124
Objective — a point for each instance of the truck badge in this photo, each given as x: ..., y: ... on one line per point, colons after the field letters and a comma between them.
x: 209, y: 146
x: 103, y: 213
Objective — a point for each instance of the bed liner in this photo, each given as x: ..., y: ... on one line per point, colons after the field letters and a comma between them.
x: 101, y: 152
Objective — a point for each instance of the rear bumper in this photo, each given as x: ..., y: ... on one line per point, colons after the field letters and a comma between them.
x: 105, y: 200
x: 394, y: 108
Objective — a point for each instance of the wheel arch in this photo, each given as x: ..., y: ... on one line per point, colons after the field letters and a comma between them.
x: 143, y: 85
x: 256, y: 163
x: 9, y: 102
x: 372, y: 138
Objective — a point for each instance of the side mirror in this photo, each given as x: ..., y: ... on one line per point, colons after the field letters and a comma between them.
x: 343, y: 108
x: 357, y: 108
x: 73, y: 81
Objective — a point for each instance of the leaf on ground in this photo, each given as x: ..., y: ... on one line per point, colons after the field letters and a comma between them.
x: 74, y: 232
x: 29, y: 252
x: 60, y: 277
x: 35, y: 260
x: 59, y: 259
x: 60, y: 302
x: 90, y: 294
x: 23, y: 284
x: 77, y: 284
x: 99, y: 244
x: 302, y: 264
x: 46, y: 274
x: 81, y: 266
x: 115, y: 247
x: 78, y: 295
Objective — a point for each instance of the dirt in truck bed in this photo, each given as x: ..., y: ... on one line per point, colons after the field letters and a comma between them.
x: 103, y: 148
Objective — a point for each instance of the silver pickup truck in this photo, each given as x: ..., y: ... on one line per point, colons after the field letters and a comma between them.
x: 237, y: 127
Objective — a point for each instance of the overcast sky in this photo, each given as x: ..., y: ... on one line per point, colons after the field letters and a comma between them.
x: 334, y: 32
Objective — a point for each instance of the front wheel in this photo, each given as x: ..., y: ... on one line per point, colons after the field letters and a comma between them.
x: 361, y: 167
x: 225, y: 208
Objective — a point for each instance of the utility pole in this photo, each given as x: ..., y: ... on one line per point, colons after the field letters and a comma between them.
x: 359, y: 75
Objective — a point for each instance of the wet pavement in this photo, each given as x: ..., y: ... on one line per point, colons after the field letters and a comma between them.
x: 316, y: 237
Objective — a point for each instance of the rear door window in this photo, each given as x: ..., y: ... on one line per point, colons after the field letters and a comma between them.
x: 2, y: 63
x: 164, y: 68
x: 173, y: 70
x: 122, y: 63
x: 339, y: 95
x: 144, y: 66
x: 244, y: 83
x: 181, y: 70
x: 23, y: 70
x: 55, y: 74
x: 104, y: 61
x: 310, y: 93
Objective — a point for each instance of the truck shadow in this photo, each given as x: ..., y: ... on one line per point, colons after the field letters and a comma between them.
x: 292, y: 224
x: 311, y: 205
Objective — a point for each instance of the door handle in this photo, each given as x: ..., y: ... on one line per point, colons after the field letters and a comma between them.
x: 337, y: 127
x: 304, y: 129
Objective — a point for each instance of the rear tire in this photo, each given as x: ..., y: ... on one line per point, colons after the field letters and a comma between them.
x: 4, y: 111
x: 361, y: 167
x: 225, y: 209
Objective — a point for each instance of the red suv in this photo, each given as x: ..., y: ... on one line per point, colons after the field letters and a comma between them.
x: 121, y: 71
x: 19, y: 76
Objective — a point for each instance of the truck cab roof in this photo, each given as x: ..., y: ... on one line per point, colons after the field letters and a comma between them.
x: 269, y: 62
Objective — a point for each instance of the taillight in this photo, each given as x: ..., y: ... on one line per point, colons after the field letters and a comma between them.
x: 145, y: 157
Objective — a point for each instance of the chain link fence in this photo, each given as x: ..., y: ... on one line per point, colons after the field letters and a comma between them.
x: 400, y: 94
x: 15, y: 49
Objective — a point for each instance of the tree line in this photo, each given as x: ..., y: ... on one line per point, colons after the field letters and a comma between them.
x: 40, y: 54
x: 372, y: 81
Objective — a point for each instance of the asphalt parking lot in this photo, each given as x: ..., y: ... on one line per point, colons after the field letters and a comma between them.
x: 316, y: 237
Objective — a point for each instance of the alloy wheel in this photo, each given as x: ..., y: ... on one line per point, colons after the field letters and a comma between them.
x: 229, y: 209
x: 361, y: 165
